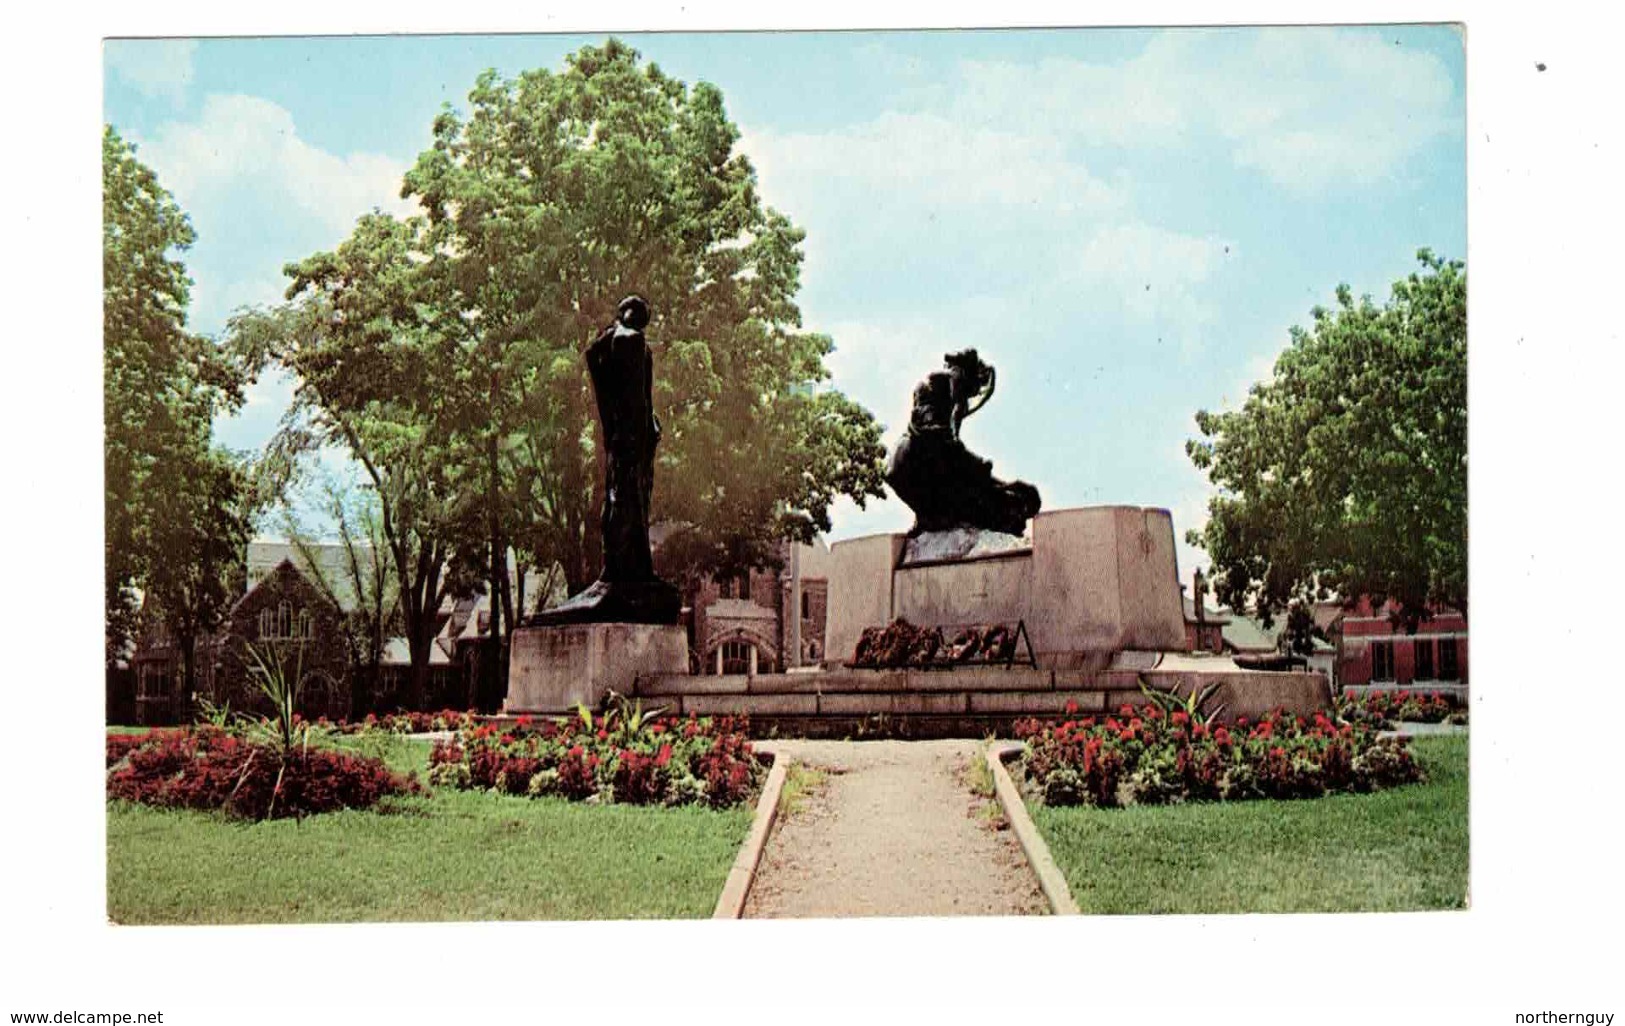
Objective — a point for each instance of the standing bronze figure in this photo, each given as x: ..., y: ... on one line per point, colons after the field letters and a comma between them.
x: 627, y: 591
x: 945, y: 484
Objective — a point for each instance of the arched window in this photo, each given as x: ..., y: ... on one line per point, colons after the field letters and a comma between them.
x: 280, y: 622
x: 736, y: 656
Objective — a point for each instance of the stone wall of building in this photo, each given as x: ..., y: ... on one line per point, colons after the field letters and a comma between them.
x: 285, y: 618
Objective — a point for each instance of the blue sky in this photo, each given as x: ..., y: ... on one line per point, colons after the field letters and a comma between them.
x: 1125, y: 222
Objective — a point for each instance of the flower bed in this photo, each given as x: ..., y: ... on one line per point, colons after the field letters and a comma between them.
x: 1382, y: 709
x: 615, y: 757
x: 1149, y: 756
x: 209, y: 768
x: 407, y: 722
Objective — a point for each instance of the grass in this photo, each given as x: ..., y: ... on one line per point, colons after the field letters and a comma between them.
x: 458, y: 855
x: 800, y: 782
x: 978, y: 777
x: 1400, y: 850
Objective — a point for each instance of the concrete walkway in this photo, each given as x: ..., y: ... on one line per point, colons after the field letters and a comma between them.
x: 893, y: 830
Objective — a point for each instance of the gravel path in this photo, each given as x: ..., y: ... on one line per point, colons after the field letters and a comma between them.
x: 893, y: 830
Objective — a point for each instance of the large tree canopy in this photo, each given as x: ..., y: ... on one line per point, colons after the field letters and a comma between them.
x: 444, y: 351
x: 161, y: 387
x: 1346, y: 473
x: 557, y: 195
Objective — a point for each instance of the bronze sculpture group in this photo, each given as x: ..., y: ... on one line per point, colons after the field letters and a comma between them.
x: 945, y: 484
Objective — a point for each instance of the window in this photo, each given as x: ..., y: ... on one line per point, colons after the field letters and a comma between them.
x: 279, y: 622
x: 744, y: 585
x: 736, y: 656
x: 806, y: 606
x: 1382, y: 660
x: 1424, y: 659
x: 1449, y: 669
x: 725, y: 587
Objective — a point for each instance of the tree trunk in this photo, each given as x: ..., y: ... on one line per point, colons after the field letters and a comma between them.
x: 188, y: 646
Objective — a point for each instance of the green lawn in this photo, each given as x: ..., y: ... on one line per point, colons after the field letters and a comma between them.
x: 1404, y: 849
x: 453, y: 856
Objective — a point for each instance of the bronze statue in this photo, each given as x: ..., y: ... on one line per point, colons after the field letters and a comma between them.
x: 627, y: 591
x: 945, y: 484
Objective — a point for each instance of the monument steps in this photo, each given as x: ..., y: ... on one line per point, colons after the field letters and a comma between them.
x: 961, y: 702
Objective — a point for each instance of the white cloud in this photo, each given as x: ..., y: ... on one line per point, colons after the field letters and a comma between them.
x: 1156, y: 275
x: 924, y: 158
x: 1307, y: 107
x: 245, y: 142
x: 154, y: 67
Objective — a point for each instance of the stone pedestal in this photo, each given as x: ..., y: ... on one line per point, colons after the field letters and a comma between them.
x: 860, y: 590
x: 1094, y: 581
x: 552, y: 669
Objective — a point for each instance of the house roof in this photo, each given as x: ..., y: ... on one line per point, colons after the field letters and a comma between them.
x: 330, y: 561
x: 1246, y: 634
x: 398, y: 653
x: 1210, y: 615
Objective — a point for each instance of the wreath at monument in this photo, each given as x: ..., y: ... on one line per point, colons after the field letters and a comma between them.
x: 902, y: 645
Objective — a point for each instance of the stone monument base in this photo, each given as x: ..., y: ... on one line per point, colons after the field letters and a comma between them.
x: 1092, y: 582
x: 552, y: 669
x: 651, y: 601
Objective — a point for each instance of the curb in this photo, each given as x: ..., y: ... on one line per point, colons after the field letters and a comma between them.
x: 731, y: 904
x: 1050, y: 880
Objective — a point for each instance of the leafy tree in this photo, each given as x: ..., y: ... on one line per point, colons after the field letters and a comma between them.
x: 444, y: 350
x: 1346, y: 473
x: 364, y: 584
x: 161, y: 384
x: 355, y: 341
x: 557, y: 195
x: 198, y: 535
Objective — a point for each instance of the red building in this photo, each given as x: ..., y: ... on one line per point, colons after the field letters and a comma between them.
x: 1373, y: 650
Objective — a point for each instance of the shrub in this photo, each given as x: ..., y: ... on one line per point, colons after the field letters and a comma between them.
x: 409, y: 722
x: 1381, y: 709
x: 1151, y: 756
x: 621, y: 756
x: 212, y: 769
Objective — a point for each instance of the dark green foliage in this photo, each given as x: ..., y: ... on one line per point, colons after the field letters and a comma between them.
x: 176, y: 508
x: 1346, y: 473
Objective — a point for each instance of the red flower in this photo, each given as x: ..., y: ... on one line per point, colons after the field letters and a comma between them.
x: 603, y: 735
x: 523, y: 722
x: 1071, y: 708
x: 664, y: 755
x: 575, y: 752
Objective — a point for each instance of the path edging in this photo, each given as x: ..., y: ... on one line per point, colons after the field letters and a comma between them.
x: 1050, y: 880
x: 731, y: 903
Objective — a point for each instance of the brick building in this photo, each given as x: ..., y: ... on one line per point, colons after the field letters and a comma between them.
x: 1204, y: 627
x: 1372, y: 650
x: 757, y: 622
